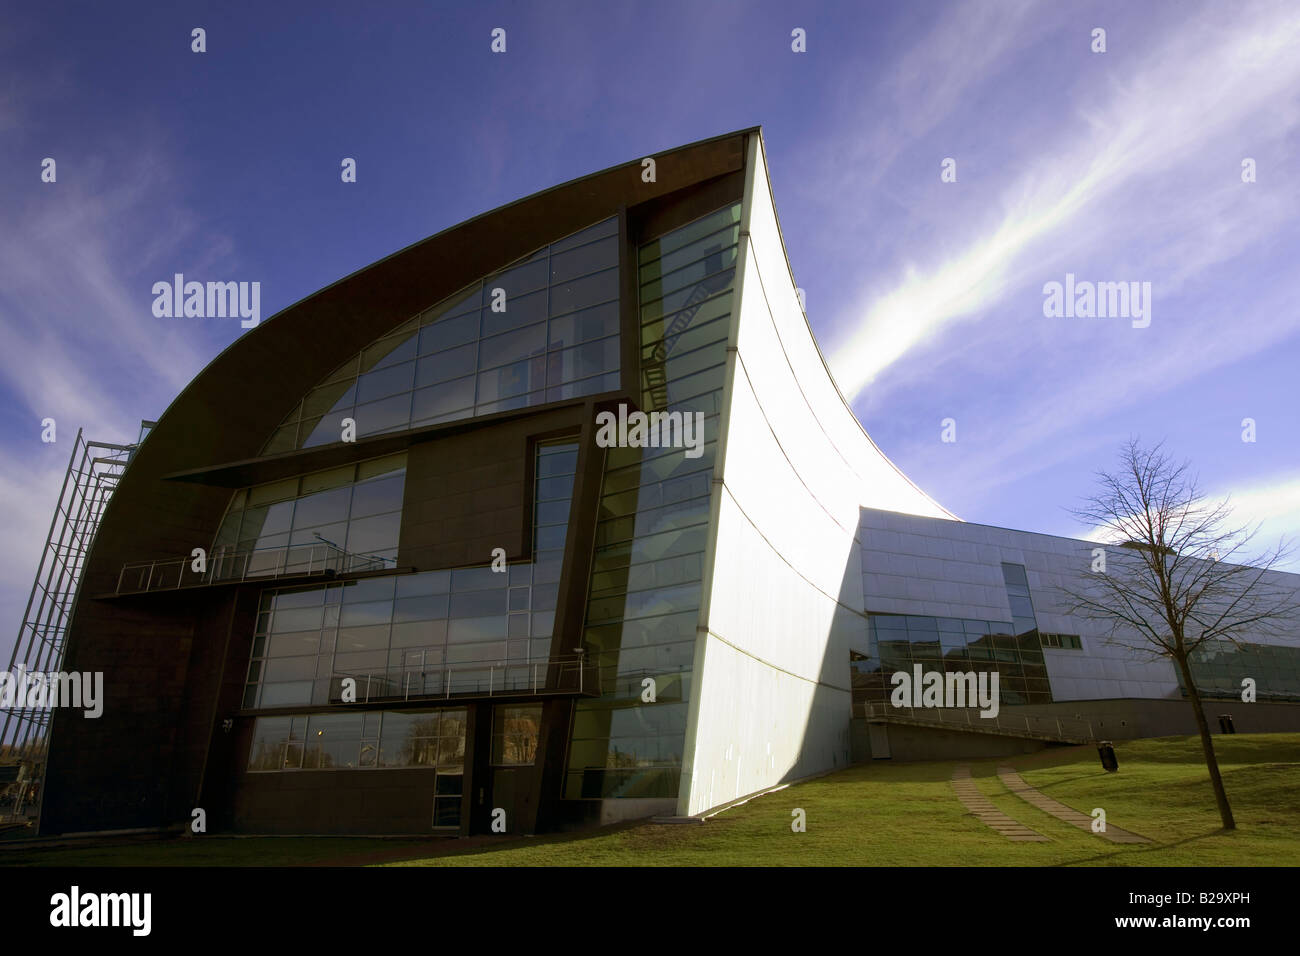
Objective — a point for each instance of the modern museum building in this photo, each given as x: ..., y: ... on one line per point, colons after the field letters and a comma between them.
x: 556, y: 518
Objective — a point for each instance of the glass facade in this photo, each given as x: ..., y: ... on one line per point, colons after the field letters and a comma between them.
x: 898, y: 642
x: 354, y: 510
x: 1219, y: 667
x: 420, y: 635
x: 541, y: 330
x: 648, y: 562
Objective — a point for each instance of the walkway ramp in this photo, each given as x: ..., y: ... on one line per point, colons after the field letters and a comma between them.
x: 1062, y: 730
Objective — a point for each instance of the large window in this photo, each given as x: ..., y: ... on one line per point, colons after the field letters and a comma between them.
x: 541, y: 330
x: 1023, y: 618
x: 898, y: 642
x: 430, y: 634
x: 653, y: 521
x: 358, y: 740
x: 1220, y: 666
x: 353, y: 512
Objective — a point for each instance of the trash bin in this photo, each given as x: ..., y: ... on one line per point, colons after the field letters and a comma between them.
x: 1106, y: 750
x: 1225, y: 724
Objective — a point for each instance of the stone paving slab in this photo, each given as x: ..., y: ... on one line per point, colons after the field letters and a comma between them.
x: 1017, y: 785
x: 984, y: 810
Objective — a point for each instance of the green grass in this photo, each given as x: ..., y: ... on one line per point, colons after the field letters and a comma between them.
x: 879, y: 814
x: 1162, y: 791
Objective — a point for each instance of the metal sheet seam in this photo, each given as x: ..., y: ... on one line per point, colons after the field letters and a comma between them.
x: 776, y: 667
x: 777, y: 552
x: 851, y: 532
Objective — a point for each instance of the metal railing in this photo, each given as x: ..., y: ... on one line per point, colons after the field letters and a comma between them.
x: 473, y: 678
x: 231, y: 566
x: 1030, y: 725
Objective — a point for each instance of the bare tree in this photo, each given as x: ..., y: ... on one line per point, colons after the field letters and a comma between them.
x: 1182, y: 580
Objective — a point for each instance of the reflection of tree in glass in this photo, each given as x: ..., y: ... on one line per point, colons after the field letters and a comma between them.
x: 451, y: 751
x: 617, y: 758
x: 519, y: 736
x: 453, y: 724
x: 315, y: 757
x: 420, y: 748
x: 426, y: 726
x: 269, y: 755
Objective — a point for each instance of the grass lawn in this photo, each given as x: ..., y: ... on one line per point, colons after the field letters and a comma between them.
x: 879, y: 814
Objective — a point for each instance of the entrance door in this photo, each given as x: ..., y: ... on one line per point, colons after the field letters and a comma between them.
x: 515, y: 729
x: 505, y: 782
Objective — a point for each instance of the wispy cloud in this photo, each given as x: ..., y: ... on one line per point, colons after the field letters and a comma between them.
x: 82, y: 344
x: 72, y: 266
x: 1205, y: 82
x: 925, y: 84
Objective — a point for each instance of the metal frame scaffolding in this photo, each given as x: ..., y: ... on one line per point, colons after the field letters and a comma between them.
x: 94, y: 470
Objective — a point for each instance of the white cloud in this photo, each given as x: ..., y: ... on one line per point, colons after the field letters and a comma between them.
x: 1274, y: 506
x: 1270, y: 508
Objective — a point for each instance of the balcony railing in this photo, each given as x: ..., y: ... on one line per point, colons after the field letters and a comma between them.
x: 962, y: 718
x: 224, y: 567
x: 471, y: 679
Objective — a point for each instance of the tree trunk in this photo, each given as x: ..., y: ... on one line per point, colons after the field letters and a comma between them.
x: 1207, y: 745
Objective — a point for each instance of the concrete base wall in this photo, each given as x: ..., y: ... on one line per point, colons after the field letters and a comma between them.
x: 925, y: 743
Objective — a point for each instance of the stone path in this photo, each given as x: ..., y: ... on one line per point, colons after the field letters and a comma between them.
x: 1083, y: 821
x: 987, y: 813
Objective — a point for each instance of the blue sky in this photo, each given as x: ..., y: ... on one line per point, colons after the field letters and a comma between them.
x: 927, y: 296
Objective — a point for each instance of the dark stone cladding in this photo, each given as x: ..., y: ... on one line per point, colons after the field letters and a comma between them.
x: 167, y: 686
x: 470, y: 492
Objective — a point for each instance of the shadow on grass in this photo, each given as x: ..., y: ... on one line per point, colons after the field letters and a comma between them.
x: 479, y: 845
x: 1110, y: 859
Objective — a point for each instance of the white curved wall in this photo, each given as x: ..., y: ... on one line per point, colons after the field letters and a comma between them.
x: 783, y: 592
